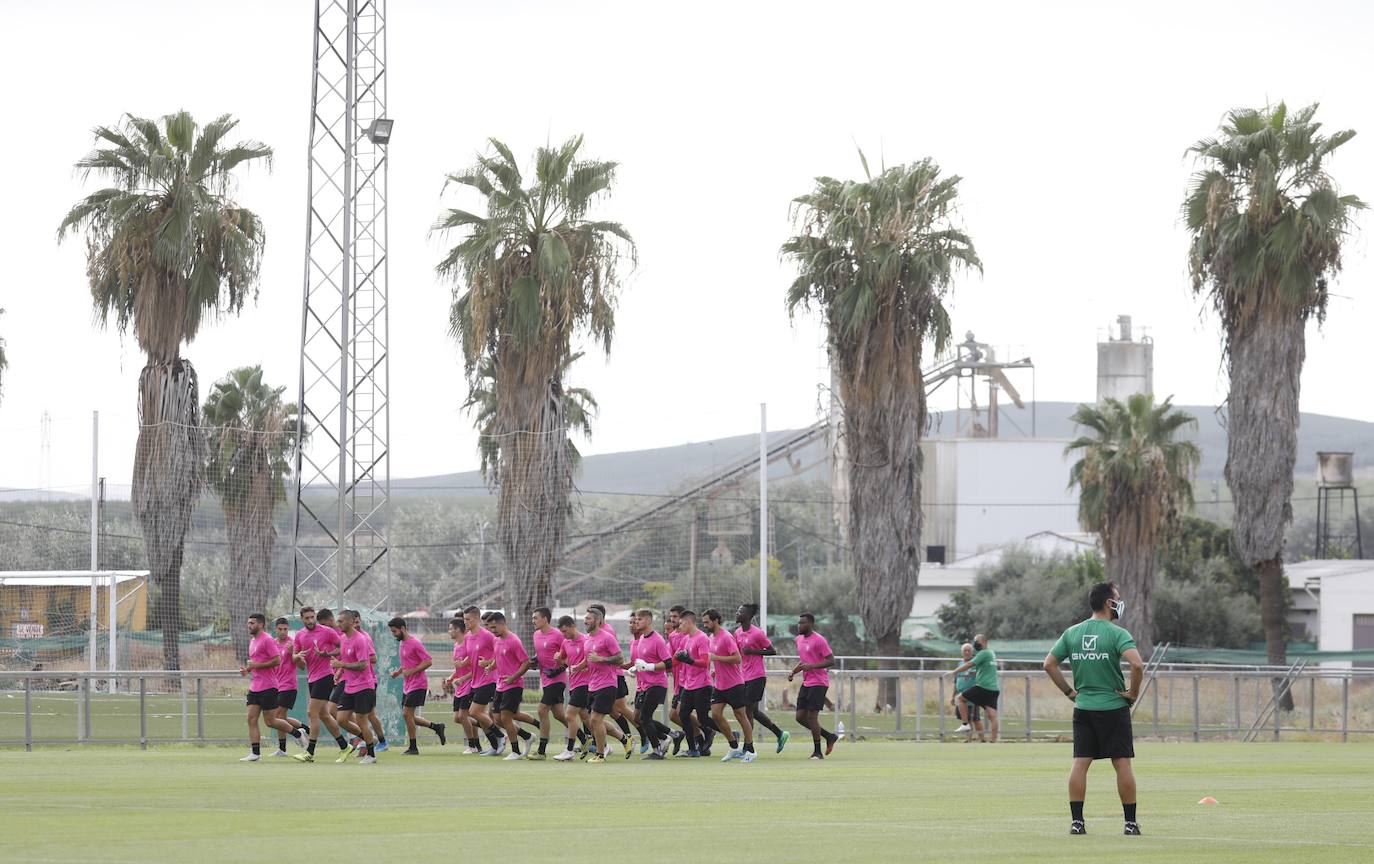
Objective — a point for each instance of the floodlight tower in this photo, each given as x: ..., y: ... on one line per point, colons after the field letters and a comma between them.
x: 343, y: 479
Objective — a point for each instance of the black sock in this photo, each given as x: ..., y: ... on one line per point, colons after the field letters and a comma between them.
x: 748, y: 746
x: 623, y: 724
x: 525, y: 736
x: 281, y: 744
x: 381, y: 739
x: 515, y: 746
x: 543, y: 745
x: 1130, y: 811
x: 663, y: 731
x: 1076, y: 810
x: 341, y: 741
x: 413, y: 745
x: 816, y: 743
x: 310, y: 748
x: 770, y: 725
x: 257, y: 749
x: 582, y: 735
x: 570, y: 743
x: 472, y: 742
x: 491, y: 736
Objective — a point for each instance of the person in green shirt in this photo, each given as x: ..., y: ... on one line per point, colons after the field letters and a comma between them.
x: 985, y: 690
x: 1102, y: 702
x: 969, y: 718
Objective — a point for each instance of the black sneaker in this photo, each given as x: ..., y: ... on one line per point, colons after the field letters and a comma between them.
x: 410, y: 751
x: 677, y: 741
x: 1077, y: 827
x: 1132, y: 829
x: 439, y: 730
x: 654, y: 755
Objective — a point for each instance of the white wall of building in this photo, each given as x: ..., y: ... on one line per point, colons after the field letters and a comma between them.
x: 1344, y: 596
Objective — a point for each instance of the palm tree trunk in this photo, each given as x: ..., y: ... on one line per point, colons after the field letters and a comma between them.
x: 1132, y: 565
x: 884, y: 416
x: 168, y: 469
x: 251, y: 538
x: 1266, y: 358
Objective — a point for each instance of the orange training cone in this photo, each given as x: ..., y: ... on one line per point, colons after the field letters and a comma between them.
x: 1208, y: 800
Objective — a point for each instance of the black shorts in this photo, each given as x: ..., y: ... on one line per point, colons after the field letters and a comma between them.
x: 735, y: 697
x: 650, y: 696
x: 580, y: 697
x: 1103, y: 734
x: 509, y: 700
x: 753, y: 690
x: 336, y: 695
x: 976, y: 695
x: 677, y: 699
x: 485, y: 694
x: 415, y: 698
x: 974, y: 713
x: 603, y: 700
x: 698, y: 700
x: 462, y: 703
x: 553, y: 694
x: 812, y: 698
x: 361, y: 702
x: 264, y: 699
x: 322, y: 687
x: 621, y: 688
x: 286, y: 699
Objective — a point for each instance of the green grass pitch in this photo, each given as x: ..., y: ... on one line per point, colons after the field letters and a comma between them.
x: 885, y: 802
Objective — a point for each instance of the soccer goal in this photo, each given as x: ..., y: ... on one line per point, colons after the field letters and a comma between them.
x: 53, y: 613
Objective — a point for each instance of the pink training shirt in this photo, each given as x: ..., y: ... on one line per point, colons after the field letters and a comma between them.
x: 462, y: 665
x: 413, y: 653
x: 727, y: 675
x: 650, y: 648
x: 574, y: 650
x: 371, y: 669
x: 754, y: 639
x: 510, y: 654
x: 697, y: 675
x: 481, y: 648
x: 356, y: 647
x: 286, y: 669
x: 814, y: 649
x: 675, y: 645
x: 261, y: 649
x: 546, y: 644
x: 603, y: 643
x: 315, y: 644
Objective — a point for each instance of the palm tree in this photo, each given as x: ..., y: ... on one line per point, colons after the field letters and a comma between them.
x: 165, y: 245
x: 1267, y: 226
x: 877, y: 258
x: 1134, y: 481
x: 579, y: 407
x: 251, y: 436
x: 530, y: 277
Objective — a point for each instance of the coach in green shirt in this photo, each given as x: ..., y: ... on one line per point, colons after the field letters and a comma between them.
x: 985, y: 690
x: 1102, y: 704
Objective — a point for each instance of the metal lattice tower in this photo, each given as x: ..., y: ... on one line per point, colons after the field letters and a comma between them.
x: 343, y: 479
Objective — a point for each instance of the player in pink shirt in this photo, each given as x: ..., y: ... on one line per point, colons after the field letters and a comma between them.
x: 482, y: 650
x: 754, y: 645
x: 315, y: 644
x: 814, y: 657
x: 603, y: 656
x: 570, y: 656
x: 286, y: 688
x: 621, y: 712
x: 729, y: 686
x: 692, y: 661
x: 674, y: 639
x: 263, y: 659
x: 354, y: 664
x: 415, y: 660
x: 553, y: 680
x: 459, y: 683
x: 650, y: 660
x: 509, y: 663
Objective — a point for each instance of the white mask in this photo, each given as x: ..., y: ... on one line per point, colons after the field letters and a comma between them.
x: 1118, y: 608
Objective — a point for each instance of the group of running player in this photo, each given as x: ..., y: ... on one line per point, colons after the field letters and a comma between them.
x: 582, y: 678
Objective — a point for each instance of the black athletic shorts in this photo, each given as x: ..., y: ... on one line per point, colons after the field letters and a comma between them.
x: 1103, y: 734
x: 753, y: 690
x: 286, y: 699
x: 462, y: 703
x: 415, y: 698
x: 553, y: 694
x: 580, y: 697
x: 361, y: 702
x: 509, y: 700
x: 698, y: 700
x: 603, y: 700
x: 485, y: 694
x: 735, y: 697
x: 320, y: 688
x: 652, y: 696
x: 677, y: 699
x: 264, y: 699
x: 812, y: 698
x: 976, y: 695
x: 621, y: 688
x: 336, y: 695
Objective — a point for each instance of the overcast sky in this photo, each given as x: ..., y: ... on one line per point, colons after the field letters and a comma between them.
x: 1068, y: 122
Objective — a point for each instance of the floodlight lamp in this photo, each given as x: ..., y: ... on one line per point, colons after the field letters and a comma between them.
x: 380, y: 130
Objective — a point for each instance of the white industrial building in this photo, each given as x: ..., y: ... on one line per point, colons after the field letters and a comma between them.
x: 1333, y: 603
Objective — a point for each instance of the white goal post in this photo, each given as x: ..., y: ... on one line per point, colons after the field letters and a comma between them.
x: 111, y: 580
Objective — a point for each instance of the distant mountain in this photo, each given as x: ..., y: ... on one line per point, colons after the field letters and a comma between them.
x: 664, y: 469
